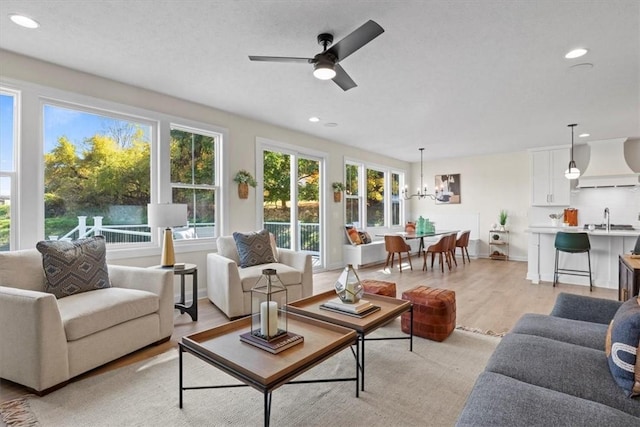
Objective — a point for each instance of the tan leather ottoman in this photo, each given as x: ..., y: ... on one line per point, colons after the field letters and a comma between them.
x: 379, y: 287
x: 434, y: 312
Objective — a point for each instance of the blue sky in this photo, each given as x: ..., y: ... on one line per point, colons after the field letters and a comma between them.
x: 77, y: 126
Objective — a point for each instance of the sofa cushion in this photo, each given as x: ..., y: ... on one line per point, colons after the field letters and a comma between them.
x: 567, y: 368
x: 254, y: 248
x: 250, y: 276
x: 22, y: 269
x: 74, y: 267
x: 227, y: 248
x: 586, y: 334
x: 623, y: 347
x: 498, y: 400
x: 89, y: 312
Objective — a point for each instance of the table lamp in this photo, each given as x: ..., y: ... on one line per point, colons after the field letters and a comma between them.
x: 167, y: 215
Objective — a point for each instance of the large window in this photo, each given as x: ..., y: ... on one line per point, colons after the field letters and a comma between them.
x: 375, y: 198
x: 381, y: 205
x: 193, y: 179
x: 396, y: 207
x: 97, y: 173
x: 353, y: 201
x: 8, y: 120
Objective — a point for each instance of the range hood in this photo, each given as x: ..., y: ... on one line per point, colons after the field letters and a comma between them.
x: 607, y: 166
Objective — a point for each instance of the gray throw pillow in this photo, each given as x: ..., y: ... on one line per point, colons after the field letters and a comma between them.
x: 71, y: 267
x: 254, y: 248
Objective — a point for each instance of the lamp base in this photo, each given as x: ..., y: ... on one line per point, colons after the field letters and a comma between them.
x: 168, y: 254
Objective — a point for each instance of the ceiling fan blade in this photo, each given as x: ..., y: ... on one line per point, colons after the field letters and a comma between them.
x: 342, y: 79
x: 354, y: 41
x: 281, y: 59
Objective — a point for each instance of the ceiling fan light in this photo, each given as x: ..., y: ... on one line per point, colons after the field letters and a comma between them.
x: 324, y: 71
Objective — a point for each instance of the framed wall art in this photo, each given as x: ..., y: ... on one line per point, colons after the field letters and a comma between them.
x: 447, y: 189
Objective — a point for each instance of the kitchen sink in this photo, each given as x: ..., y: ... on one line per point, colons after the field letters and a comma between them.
x: 616, y: 227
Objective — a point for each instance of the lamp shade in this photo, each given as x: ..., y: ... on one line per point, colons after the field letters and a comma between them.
x: 167, y: 214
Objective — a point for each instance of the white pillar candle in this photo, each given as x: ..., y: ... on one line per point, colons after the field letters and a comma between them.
x: 269, y: 313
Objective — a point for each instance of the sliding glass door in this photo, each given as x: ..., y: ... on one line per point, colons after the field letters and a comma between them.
x: 291, y: 207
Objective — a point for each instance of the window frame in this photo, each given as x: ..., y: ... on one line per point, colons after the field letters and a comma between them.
x: 388, y: 172
x: 28, y: 207
x: 215, y: 186
x: 13, y: 174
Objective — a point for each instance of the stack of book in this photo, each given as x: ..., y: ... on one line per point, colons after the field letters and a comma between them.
x: 274, y: 346
x: 358, y: 309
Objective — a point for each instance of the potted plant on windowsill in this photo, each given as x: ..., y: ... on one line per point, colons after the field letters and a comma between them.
x: 338, y: 188
x: 244, y: 180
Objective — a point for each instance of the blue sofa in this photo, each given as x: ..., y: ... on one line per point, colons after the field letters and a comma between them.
x: 552, y: 370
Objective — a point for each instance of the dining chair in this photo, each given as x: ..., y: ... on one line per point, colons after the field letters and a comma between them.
x: 396, y: 244
x: 441, y: 247
x: 452, y: 249
x: 462, y: 242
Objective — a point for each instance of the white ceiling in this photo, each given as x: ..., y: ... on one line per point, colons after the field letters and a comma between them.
x: 459, y: 78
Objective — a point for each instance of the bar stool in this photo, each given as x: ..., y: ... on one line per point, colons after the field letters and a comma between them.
x: 572, y: 243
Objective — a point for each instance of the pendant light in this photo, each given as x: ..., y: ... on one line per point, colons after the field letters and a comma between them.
x: 572, y: 171
x: 422, y: 191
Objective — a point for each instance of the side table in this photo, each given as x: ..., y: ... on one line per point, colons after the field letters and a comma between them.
x: 188, y: 270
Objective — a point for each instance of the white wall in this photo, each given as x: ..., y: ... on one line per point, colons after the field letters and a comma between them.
x: 487, y: 185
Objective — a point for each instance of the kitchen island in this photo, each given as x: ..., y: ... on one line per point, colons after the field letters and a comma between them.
x: 606, y: 246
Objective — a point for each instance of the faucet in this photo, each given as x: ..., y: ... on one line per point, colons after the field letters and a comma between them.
x: 607, y: 217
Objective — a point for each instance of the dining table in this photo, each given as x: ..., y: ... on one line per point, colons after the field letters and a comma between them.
x: 414, y: 235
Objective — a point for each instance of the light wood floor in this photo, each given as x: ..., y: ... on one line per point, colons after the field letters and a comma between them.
x: 490, y: 295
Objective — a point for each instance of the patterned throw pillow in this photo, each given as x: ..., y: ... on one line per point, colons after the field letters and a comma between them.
x: 623, y: 347
x: 364, y: 237
x: 254, y: 248
x: 74, y: 267
x: 352, y: 235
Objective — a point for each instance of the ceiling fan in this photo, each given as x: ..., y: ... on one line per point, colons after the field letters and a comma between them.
x: 326, y: 63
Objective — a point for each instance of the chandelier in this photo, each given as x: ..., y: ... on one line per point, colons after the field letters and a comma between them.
x: 422, y: 191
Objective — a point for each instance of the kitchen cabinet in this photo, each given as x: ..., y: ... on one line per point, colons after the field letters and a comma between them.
x: 549, y: 187
x: 628, y: 277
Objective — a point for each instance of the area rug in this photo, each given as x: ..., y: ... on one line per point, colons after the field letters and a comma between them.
x: 428, y: 386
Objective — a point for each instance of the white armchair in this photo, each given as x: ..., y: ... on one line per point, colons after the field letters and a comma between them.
x: 45, y: 341
x: 229, y: 286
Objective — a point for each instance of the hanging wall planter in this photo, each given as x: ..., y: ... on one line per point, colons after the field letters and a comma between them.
x: 244, y: 180
x: 243, y: 190
x: 338, y: 188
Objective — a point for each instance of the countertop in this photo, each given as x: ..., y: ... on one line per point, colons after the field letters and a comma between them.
x: 548, y: 229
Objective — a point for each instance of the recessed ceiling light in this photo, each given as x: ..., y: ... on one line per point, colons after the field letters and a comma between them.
x: 576, y: 53
x: 584, y: 135
x: 23, y: 21
x: 314, y: 119
x: 331, y: 125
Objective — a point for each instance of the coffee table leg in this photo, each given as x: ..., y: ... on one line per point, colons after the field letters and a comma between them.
x: 357, y: 368
x: 180, y: 375
x: 362, y: 359
x: 267, y: 408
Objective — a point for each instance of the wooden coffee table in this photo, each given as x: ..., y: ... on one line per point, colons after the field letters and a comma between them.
x: 390, y: 308
x: 264, y: 371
